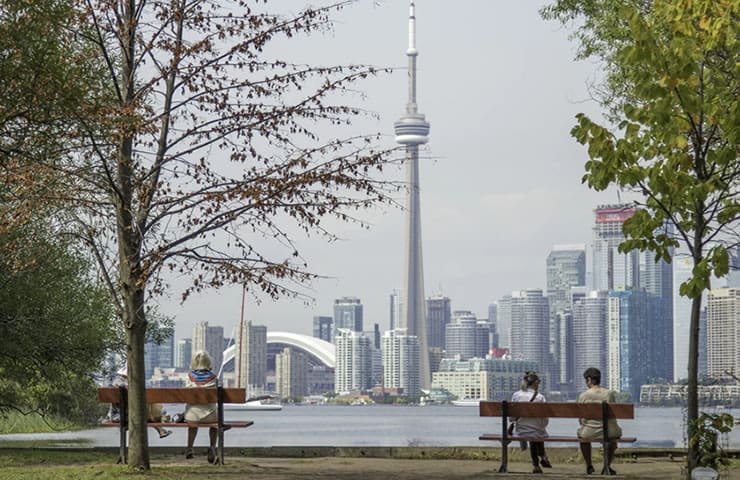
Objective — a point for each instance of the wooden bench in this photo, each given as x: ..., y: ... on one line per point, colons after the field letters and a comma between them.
x: 218, y: 396
x: 595, y: 411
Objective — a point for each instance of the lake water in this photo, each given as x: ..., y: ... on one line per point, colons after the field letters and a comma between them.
x: 386, y: 425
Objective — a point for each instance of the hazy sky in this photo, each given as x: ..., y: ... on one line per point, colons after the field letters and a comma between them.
x: 500, y: 183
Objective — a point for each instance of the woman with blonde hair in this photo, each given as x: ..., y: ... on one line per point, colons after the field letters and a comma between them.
x: 202, y: 376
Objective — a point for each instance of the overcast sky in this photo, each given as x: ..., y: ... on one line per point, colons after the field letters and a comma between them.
x: 500, y: 182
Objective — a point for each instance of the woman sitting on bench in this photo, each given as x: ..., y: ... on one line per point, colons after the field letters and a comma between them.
x: 532, y: 427
x: 202, y: 376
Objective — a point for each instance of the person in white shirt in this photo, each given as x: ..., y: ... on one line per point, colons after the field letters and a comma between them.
x: 532, y: 427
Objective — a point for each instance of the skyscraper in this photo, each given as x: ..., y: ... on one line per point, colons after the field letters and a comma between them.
x: 347, y: 314
x: 183, y: 353
x: 411, y: 131
x: 210, y: 339
x: 589, y: 333
x: 353, y: 369
x: 466, y: 338
x: 251, y: 358
x: 401, y: 361
x: 611, y: 269
x: 322, y: 327
x: 566, y: 268
x: 629, y: 340
x: 530, y: 329
x: 503, y: 321
x: 396, y: 309
x: 291, y: 369
x: 682, y: 268
x: 723, y: 332
x: 439, y: 314
x: 160, y: 354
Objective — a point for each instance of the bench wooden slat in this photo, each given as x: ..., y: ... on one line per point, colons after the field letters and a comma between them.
x: 243, y: 424
x: 498, y: 437
x: 178, y: 395
x: 557, y: 410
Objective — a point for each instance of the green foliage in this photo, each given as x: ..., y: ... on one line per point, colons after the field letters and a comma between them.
x: 56, y: 325
x: 705, y: 438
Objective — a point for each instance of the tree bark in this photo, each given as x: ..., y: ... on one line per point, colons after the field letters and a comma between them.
x: 138, y: 455
x: 692, y: 392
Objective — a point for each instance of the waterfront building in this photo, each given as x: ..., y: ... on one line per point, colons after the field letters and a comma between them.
x: 630, y: 340
x: 675, y: 394
x: 291, y: 370
x: 412, y: 130
x: 503, y: 321
x: 733, y: 277
x: 466, y: 337
x: 347, y: 314
x: 160, y: 354
x: 396, y: 309
x: 530, y: 329
x: 495, y: 340
x: 353, y: 370
x: 439, y: 315
x: 723, y: 332
x: 656, y: 278
x: 322, y: 328
x: 682, y: 271
x: 590, y: 334
x: 483, y: 378
x: 183, y: 353
x: 613, y: 270
x: 401, y: 358
x: 210, y: 339
x: 566, y: 268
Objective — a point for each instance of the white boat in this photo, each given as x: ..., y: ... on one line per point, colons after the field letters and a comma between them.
x: 253, y: 405
x: 466, y: 403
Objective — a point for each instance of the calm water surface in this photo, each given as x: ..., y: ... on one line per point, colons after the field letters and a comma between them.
x: 384, y: 425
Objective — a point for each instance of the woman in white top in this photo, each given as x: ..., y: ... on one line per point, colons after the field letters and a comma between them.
x: 532, y: 427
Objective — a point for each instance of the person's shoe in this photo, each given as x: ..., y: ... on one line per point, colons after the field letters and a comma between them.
x: 211, y: 455
x: 164, y: 433
x: 545, y: 462
x: 536, y: 469
x: 189, y: 453
x: 612, y: 471
x: 590, y: 469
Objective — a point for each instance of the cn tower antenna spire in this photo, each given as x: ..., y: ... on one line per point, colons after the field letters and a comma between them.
x: 412, y: 130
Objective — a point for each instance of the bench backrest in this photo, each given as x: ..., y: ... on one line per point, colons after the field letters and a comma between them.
x: 557, y: 410
x: 177, y: 395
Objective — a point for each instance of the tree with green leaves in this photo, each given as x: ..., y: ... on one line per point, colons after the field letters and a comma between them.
x: 670, y: 90
x: 56, y: 323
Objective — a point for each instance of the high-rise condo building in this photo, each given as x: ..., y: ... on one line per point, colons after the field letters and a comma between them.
x: 396, y: 309
x: 161, y: 354
x: 589, y: 334
x: 353, y: 371
x: 566, y: 268
x: 210, y: 339
x: 630, y: 361
x: 439, y: 314
x: 347, y: 314
x: 466, y: 337
x: 251, y: 358
x: 611, y: 269
x: 723, y: 332
x: 682, y: 271
x: 495, y: 340
x: 322, y: 328
x: 291, y: 368
x: 412, y: 130
x: 503, y: 320
x: 530, y: 329
x: 401, y: 361
x: 183, y: 353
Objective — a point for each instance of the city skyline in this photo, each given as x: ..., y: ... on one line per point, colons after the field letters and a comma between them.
x: 502, y: 155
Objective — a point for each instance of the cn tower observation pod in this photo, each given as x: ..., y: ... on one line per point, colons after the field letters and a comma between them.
x: 412, y: 129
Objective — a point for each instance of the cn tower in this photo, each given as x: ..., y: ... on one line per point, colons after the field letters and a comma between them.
x: 412, y: 130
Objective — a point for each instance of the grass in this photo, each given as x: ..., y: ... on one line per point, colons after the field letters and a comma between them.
x: 16, y: 422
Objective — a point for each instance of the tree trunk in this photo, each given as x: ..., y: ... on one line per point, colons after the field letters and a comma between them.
x: 692, y: 392
x: 138, y: 454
